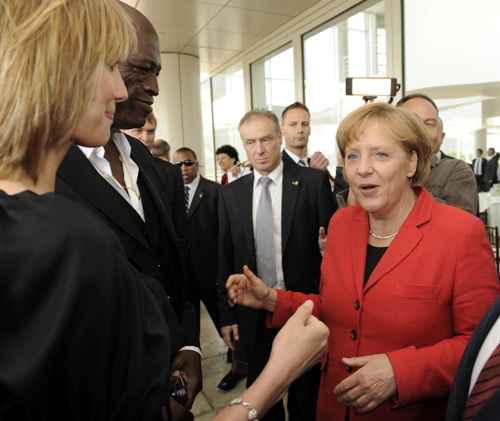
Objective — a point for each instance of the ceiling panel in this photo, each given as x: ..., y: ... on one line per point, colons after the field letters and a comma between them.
x: 171, y: 34
x: 219, y: 2
x: 283, y: 7
x: 246, y: 21
x: 190, y: 14
x: 171, y: 48
x: 225, y: 40
x: 210, y: 55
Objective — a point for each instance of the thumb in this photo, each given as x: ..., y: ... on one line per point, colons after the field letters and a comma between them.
x: 322, y: 231
x: 304, y: 311
x: 254, y: 280
x: 356, y: 361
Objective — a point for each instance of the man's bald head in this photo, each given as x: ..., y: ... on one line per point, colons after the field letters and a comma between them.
x: 140, y: 74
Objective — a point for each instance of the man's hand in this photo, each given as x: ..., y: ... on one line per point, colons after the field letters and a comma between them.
x: 235, y: 170
x: 188, y: 364
x: 249, y: 291
x: 319, y: 161
x: 322, y: 239
x: 370, y: 386
x: 226, y: 335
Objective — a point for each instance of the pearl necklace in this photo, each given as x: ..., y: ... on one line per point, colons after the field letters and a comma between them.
x: 382, y: 237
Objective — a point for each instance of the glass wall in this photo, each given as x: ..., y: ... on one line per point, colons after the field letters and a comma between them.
x: 228, y: 96
x: 455, y: 61
x: 351, y: 45
x: 273, y: 85
x: 208, y: 135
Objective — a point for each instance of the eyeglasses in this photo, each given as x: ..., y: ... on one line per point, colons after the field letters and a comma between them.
x: 187, y: 163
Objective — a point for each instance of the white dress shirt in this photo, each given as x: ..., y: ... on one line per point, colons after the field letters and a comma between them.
x: 192, y: 188
x: 490, y: 343
x: 130, y: 170
x: 275, y: 190
x: 305, y: 160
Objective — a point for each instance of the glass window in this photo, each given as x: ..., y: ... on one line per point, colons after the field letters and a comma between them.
x: 228, y: 96
x: 351, y: 45
x: 208, y: 136
x: 455, y: 62
x: 273, y: 85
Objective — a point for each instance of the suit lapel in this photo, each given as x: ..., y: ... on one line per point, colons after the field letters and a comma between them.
x: 80, y: 174
x: 244, y: 204
x: 198, y: 196
x: 461, y: 384
x: 409, y: 237
x: 150, y: 176
x: 290, y: 191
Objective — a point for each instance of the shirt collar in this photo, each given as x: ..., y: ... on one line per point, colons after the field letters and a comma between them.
x: 194, y: 184
x: 295, y: 157
x: 120, y: 141
x: 276, y: 175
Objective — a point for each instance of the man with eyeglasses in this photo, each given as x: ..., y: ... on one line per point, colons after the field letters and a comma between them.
x: 201, y: 201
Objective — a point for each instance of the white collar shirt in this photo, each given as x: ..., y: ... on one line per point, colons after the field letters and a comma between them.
x: 296, y: 158
x: 192, y: 188
x: 130, y: 170
x: 276, y: 191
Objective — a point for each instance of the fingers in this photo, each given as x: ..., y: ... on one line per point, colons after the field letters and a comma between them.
x: 304, y: 312
x: 356, y: 361
x: 236, y: 333
x: 346, y: 384
x: 226, y: 335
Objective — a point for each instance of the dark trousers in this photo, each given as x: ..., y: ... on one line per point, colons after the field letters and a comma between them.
x: 481, y: 186
x: 195, y: 293
x: 303, y: 393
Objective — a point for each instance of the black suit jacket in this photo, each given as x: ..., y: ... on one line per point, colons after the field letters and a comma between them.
x: 77, y: 179
x: 483, y: 165
x: 307, y: 204
x: 288, y: 159
x: 490, y: 172
x: 171, y: 176
x: 490, y: 411
x: 203, y: 232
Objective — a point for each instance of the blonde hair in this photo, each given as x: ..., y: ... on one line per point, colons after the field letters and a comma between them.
x: 399, y: 123
x: 52, y: 55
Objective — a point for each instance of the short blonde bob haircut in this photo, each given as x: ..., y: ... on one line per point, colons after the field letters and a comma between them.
x: 52, y: 55
x: 398, y: 123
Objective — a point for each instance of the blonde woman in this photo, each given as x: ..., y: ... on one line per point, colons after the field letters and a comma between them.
x: 82, y: 336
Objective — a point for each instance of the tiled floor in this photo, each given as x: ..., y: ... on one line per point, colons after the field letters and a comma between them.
x: 211, y: 400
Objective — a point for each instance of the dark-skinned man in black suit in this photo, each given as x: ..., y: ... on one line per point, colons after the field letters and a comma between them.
x: 301, y: 202
x: 203, y: 232
x: 122, y: 185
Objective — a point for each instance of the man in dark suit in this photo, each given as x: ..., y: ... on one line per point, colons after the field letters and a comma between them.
x: 466, y: 400
x: 172, y: 179
x: 202, y: 198
x: 490, y: 172
x: 296, y: 129
x: 479, y: 167
x: 121, y: 184
x: 270, y: 221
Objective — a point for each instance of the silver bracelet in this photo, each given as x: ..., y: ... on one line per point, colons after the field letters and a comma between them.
x: 252, y: 415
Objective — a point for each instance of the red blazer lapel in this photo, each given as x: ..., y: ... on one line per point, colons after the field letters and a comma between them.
x: 359, y: 241
x: 407, y: 239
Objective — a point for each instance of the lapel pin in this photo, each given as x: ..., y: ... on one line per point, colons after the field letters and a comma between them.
x: 201, y: 194
x: 296, y: 183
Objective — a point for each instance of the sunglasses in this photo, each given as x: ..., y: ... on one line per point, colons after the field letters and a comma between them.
x: 187, y: 163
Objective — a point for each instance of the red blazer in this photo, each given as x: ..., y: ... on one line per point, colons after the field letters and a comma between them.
x: 420, y: 306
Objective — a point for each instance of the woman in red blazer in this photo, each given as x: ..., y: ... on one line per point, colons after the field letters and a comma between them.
x: 227, y: 157
x: 404, y: 281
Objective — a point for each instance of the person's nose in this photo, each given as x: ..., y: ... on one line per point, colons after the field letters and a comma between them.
x: 259, y: 148
x: 121, y: 93
x: 151, y: 85
x: 143, y: 137
x: 365, y: 166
